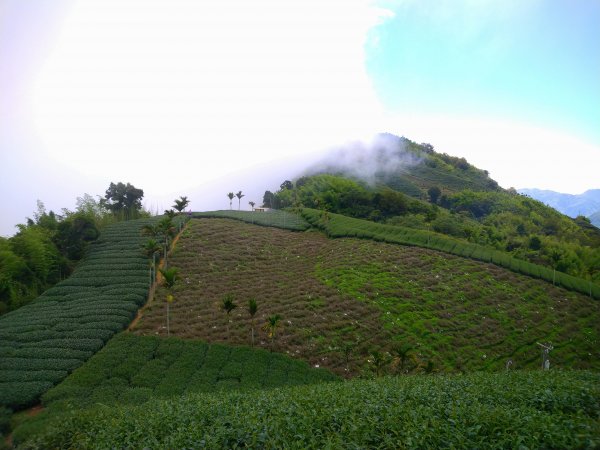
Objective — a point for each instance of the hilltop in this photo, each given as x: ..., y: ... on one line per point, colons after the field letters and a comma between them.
x: 398, y: 182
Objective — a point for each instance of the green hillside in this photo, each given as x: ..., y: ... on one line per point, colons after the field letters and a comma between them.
x: 502, y: 410
x: 500, y: 220
x: 358, y: 306
x: 343, y: 300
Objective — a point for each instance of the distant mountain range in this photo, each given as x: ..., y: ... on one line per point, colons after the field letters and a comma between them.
x: 586, y: 204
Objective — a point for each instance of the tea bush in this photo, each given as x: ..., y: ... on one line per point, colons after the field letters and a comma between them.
x: 272, y: 218
x: 43, y: 341
x: 141, y: 367
x: 481, y: 410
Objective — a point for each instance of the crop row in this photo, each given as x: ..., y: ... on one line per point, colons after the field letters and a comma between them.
x: 271, y: 218
x: 480, y: 410
x: 336, y: 226
x: 43, y: 341
x: 132, y: 369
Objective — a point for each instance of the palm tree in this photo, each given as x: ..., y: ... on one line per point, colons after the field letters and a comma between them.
x: 230, y: 195
x: 181, y: 204
x: 228, y: 305
x: 151, y: 247
x: 150, y: 230
x: 380, y: 362
x: 271, y: 326
x: 401, y: 355
x: 252, y: 309
x: 252, y: 205
x: 239, y: 196
x: 169, y: 279
x: 167, y: 229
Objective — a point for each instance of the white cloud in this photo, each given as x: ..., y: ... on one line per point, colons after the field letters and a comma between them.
x: 516, y: 154
x: 131, y: 86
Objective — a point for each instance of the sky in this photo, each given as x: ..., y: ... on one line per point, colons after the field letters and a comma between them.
x: 193, y: 98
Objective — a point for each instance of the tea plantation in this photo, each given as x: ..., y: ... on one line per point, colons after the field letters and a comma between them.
x: 134, y: 369
x: 42, y: 342
x: 336, y: 226
x: 270, y: 218
x: 502, y: 410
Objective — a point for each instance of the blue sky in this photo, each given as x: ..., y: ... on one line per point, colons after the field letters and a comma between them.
x: 536, y: 62
x: 193, y: 98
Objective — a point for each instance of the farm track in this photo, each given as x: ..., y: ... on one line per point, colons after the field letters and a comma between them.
x: 342, y: 299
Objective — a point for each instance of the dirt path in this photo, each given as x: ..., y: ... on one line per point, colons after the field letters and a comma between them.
x: 152, y: 290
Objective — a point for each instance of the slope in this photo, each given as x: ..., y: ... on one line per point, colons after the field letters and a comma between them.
x: 534, y: 409
x: 343, y: 301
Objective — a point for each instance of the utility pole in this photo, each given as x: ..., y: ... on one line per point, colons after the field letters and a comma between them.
x: 546, y: 355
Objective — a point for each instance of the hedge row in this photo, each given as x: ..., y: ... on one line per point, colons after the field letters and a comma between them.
x: 271, y: 218
x: 132, y: 369
x: 336, y: 226
x: 43, y: 341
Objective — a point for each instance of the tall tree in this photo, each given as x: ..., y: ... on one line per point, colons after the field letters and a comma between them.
x: 230, y: 195
x: 252, y: 310
x: 252, y: 205
x: 181, y: 203
x: 268, y: 200
x: 124, y: 199
x: 228, y: 305
x: 239, y: 196
x: 271, y: 326
x: 434, y: 194
x: 401, y: 355
x: 169, y: 279
x: 287, y: 184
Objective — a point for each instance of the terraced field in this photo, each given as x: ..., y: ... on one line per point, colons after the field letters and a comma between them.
x: 344, y: 300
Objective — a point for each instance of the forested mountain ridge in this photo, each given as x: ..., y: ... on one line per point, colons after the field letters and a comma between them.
x: 399, y: 182
x: 586, y: 204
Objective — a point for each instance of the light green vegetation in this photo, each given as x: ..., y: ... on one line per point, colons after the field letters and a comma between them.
x: 270, y: 218
x: 336, y: 225
x: 504, y: 410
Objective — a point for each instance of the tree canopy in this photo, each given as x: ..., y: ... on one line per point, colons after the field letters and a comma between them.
x: 124, y: 199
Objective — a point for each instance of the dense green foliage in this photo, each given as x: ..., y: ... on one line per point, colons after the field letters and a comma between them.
x: 503, y: 410
x: 124, y: 200
x: 47, y: 248
x: 336, y: 225
x: 42, y: 253
x: 273, y: 218
x: 133, y: 369
x: 41, y: 342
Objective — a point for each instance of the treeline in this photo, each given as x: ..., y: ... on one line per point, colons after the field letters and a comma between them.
x: 502, y: 220
x: 47, y: 247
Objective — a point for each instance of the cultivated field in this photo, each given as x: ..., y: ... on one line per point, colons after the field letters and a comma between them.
x: 344, y: 300
x: 499, y: 410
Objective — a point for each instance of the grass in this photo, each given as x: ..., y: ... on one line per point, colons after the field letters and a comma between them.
x: 336, y: 225
x: 502, y: 410
x: 343, y: 299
